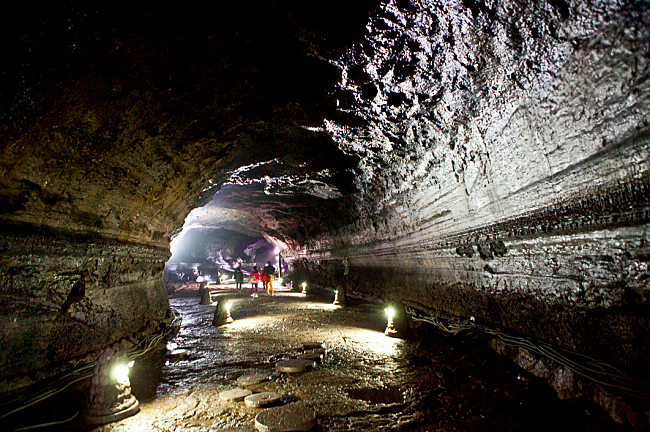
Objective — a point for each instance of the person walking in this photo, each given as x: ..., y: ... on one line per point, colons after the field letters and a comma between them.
x: 263, y: 278
x: 269, y: 270
x: 239, y: 278
x: 255, y: 278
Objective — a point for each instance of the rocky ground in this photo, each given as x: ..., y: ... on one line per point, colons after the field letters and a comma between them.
x: 429, y: 382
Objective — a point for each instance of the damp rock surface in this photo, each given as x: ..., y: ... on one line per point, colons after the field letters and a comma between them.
x: 366, y: 382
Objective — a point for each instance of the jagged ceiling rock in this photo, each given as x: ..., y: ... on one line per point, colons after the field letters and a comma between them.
x: 477, y: 112
x: 129, y: 110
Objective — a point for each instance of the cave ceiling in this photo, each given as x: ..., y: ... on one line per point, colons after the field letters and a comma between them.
x: 291, y: 119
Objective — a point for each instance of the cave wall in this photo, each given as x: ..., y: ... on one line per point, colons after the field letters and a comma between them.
x: 63, y: 300
x: 514, y: 174
x: 505, y: 172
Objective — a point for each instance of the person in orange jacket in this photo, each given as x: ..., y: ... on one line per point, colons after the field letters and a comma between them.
x: 268, y: 271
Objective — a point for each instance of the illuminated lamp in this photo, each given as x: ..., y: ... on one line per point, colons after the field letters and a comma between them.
x: 398, y: 324
x: 222, y: 312
x: 390, y: 326
x: 228, y: 306
x: 339, y: 296
x: 304, y: 288
x: 200, y: 279
x: 110, y: 392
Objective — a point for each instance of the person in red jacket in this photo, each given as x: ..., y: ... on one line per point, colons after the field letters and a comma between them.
x: 255, y: 278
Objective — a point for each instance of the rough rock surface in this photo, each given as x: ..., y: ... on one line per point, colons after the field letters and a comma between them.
x: 484, y: 159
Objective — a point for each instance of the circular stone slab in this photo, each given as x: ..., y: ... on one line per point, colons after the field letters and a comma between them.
x: 292, y: 417
x: 311, y: 345
x: 234, y: 395
x: 178, y: 354
x: 252, y: 379
x: 311, y: 356
x: 295, y: 365
x: 262, y: 399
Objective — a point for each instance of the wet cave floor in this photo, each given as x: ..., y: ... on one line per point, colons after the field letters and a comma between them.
x: 429, y: 382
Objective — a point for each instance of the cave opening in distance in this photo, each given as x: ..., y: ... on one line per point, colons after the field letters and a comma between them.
x: 215, y: 240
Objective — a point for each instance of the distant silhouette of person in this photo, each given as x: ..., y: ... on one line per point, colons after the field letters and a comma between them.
x: 239, y: 278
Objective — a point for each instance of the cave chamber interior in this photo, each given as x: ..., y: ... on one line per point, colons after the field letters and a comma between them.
x: 455, y: 159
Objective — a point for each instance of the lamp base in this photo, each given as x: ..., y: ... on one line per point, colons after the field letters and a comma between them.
x: 126, y: 409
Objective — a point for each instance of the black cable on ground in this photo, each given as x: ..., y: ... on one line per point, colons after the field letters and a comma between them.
x: 600, y: 372
x: 80, y: 373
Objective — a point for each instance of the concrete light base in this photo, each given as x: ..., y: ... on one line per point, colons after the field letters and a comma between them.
x: 221, y: 312
x: 128, y: 408
x: 110, y: 394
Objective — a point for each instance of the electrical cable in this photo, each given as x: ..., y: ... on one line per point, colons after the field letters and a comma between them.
x: 55, y: 423
x: 138, y: 351
x: 600, y: 372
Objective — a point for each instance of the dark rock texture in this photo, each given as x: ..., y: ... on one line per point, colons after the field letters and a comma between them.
x: 64, y: 300
x: 485, y: 159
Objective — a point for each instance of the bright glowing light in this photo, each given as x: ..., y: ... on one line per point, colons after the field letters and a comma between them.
x: 228, y: 305
x: 279, y: 281
x: 390, y: 312
x: 304, y: 285
x: 200, y: 279
x: 120, y: 372
x: 277, y: 250
x: 131, y: 363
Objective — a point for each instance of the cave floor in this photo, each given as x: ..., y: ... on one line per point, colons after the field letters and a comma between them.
x: 429, y: 382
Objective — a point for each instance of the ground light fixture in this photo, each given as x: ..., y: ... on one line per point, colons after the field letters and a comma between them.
x: 228, y: 306
x: 336, y: 297
x: 390, y: 326
x: 110, y: 392
x: 222, y: 312
x: 304, y: 288
x: 120, y: 371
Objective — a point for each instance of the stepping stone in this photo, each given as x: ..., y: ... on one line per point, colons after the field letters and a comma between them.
x: 235, y: 395
x: 322, y: 351
x: 311, y: 345
x: 295, y: 365
x: 262, y: 399
x: 178, y: 355
x: 252, y: 379
x: 292, y: 417
x: 311, y: 356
